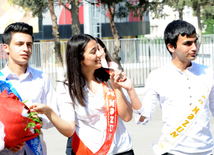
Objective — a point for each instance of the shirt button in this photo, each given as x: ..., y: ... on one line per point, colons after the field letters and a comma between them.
x: 190, y: 96
x: 189, y: 87
x: 190, y: 104
x: 187, y: 78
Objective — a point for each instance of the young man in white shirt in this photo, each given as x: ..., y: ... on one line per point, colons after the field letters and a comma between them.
x: 32, y: 85
x: 185, y: 92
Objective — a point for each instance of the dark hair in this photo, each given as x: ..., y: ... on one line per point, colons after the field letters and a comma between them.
x: 176, y: 28
x: 16, y: 27
x: 74, y: 55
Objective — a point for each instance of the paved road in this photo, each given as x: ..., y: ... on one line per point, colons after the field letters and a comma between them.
x: 142, y: 136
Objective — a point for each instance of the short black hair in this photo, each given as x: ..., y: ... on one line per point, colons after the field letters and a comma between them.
x: 176, y: 28
x: 16, y: 27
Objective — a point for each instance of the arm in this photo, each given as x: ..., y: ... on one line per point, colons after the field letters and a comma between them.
x: 135, y: 101
x: 123, y: 106
x: 143, y: 111
x: 65, y: 127
x: 211, y: 98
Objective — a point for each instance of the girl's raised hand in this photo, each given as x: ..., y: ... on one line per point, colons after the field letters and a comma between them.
x: 39, y: 108
x: 119, y: 79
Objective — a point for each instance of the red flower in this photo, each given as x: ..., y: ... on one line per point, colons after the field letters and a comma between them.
x: 18, y: 129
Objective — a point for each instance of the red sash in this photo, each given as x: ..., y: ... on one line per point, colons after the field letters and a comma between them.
x: 80, y: 148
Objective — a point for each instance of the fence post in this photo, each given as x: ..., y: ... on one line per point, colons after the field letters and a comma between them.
x: 149, y: 56
x: 41, y: 55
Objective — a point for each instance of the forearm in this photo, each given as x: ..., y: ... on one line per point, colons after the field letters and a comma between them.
x: 135, y: 101
x: 124, y: 108
x: 66, y: 128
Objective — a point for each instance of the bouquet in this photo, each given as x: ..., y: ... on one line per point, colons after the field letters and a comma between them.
x: 20, y: 124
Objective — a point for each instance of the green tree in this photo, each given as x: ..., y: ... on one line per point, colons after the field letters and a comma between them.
x: 208, y: 19
x: 37, y: 8
x: 144, y: 6
x: 177, y: 5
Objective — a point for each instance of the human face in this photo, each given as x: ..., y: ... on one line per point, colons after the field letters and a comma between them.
x: 186, y: 49
x: 92, y: 57
x: 101, y: 50
x: 19, y: 49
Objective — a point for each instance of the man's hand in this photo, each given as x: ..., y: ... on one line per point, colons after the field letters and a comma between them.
x: 17, y: 148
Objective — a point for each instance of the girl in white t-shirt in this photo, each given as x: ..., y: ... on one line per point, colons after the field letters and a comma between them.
x: 91, y: 110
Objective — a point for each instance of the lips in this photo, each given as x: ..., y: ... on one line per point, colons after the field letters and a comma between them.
x: 193, y: 54
x: 98, y: 61
x: 24, y: 55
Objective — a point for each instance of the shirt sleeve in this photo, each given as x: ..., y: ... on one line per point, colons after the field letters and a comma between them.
x: 48, y: 98
x: 211, y: 97
x: 65, y: 104
x: 150, y: 100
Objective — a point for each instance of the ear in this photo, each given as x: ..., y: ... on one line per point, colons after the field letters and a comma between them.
x: 6, y: 48
x: 171, y: 48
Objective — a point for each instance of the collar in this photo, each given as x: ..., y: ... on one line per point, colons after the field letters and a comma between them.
x: 8, y: 73
x: 188, y: 69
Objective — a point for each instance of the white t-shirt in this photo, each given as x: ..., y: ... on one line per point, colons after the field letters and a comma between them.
x: 91, y: 120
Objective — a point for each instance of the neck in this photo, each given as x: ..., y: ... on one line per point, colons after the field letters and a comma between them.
x: 89, y: 77
x: 17, y: 69
x: 181, y: 65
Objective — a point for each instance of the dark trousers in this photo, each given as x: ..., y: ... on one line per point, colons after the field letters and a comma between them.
x: 130, y: 152
x: 69, y: 150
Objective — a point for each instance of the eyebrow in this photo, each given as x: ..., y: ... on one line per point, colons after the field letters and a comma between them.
x: 188, y: 41
x: 92, y: 49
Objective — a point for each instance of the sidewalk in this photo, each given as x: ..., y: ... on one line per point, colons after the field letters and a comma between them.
x: 142, y: 136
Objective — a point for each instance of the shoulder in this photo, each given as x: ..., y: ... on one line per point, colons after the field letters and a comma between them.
x: 160, y: 71
x: 201, y: 69
x: 38, y: 74
x: 62, y: 87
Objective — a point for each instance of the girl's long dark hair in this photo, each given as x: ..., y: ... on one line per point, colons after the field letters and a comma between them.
x: 75, y: 79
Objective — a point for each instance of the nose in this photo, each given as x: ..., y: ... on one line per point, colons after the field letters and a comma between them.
x: 194, y: 46
x: 25, y: 47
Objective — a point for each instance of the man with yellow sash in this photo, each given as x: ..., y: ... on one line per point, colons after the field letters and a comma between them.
x: 185, y: 92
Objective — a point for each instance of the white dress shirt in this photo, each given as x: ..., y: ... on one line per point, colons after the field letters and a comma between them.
x: 176, y: 91
x: 91, y: 120
x: 34, y: 87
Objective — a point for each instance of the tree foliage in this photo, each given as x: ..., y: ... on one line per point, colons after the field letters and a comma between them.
x: 37, y: 7
x: 177, y: 5
x: 208, y: 19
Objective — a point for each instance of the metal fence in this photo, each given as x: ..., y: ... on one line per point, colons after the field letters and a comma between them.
x: 138, y: 57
